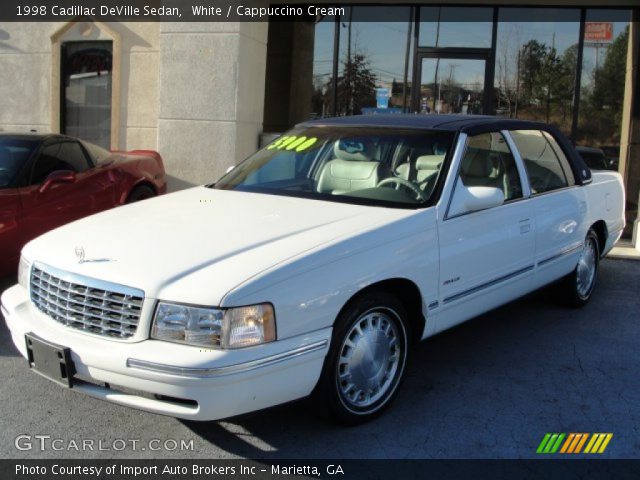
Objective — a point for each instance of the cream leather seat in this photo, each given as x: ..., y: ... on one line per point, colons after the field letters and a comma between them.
x: 426, y: 165
x: 354, y: 168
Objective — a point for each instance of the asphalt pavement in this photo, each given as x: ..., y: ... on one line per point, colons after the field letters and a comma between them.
x: 490, y: 388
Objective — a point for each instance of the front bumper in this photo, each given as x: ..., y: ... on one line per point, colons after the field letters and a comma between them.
x: 172, y: 379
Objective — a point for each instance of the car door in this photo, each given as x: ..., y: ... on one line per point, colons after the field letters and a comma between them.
x: 486, y: 256
x: 48, y: 206
x: 559, y: 205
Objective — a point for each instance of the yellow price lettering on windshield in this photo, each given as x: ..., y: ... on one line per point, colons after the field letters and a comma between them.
x: 293, y: 142
x: 298, y: 141
x: 306, y: 144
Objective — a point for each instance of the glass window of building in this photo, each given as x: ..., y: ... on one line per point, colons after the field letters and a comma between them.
x: 604, y: 61
x: 536, y: 61
x: 448, y: 27
x: 375, y: 60
x: 321, y: 100
x: 86, y: 103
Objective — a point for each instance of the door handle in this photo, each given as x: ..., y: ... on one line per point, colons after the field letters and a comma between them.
x: 525, y: 226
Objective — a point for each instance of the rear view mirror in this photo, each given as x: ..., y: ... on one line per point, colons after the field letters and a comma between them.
x: 472, y: 199
x: 59, y: 176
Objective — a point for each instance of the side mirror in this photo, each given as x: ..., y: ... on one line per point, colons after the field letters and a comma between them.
x: 472, y: 199
x: 59, y: 176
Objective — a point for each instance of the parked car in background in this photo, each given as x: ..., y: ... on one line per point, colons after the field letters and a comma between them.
x: 613, y: 155
x: 595, y: 158
x: 49, y: 180
x: 314, y: 266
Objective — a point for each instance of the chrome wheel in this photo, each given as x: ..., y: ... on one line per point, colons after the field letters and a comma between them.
x: 586, y: 269
x: 371, y: 360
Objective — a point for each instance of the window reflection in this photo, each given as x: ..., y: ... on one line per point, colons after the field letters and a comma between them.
x: 603, y: 79
x: 321, y: 100
x: 452, y: 86
x: 87, y: 76
x: 375, y: 60
x: 536, y: 65
x: 456, y: 27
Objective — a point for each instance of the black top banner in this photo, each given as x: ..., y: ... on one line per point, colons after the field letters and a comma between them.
x: 265, y: 10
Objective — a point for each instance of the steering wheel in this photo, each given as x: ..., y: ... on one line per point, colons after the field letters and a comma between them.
x: 405, y: 183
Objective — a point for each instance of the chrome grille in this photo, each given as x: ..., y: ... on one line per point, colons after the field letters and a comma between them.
x: 86, y: 304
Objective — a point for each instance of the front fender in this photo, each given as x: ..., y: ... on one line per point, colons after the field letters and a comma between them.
x: 309, y: 292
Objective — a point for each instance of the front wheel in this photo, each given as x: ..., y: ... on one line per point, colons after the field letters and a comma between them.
x: 579, y: 284
x: 367, y: 358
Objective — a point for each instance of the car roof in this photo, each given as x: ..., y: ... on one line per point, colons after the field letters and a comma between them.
x: 448, y: 122
x: 469, y: 124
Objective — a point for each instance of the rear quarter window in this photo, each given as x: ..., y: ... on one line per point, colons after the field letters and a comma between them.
x: 547, y: 166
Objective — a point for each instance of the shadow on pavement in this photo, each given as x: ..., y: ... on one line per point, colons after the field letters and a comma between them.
x: 435, y: 380
x: 6, y: 345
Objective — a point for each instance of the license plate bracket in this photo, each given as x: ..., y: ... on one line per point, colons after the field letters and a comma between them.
x: 50, y: 360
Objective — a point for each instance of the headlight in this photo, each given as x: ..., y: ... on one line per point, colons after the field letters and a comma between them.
x: 214, y: 327
x: 24, y: 271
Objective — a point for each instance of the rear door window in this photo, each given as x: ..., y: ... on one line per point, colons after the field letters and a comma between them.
x: 547, y: 166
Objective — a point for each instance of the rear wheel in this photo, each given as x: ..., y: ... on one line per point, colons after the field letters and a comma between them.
x: 141, y: 192
x: 579, y: 284
x: 367, y: 358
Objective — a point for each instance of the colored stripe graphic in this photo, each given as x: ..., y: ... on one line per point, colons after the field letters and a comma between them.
x: 568, y: 442
x: 543, y: 443
x: 573, y: 443
x: 581, y: 443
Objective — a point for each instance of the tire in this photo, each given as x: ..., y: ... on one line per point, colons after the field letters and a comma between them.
x: 579, y: 284
x: 356, y: 383
x: 141, y: 192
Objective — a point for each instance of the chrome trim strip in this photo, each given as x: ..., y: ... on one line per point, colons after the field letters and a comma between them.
x: 227, y: 370
x: 520, y: 166
x: 491, y: 283
x: 562, y: 253
x: 456, y: 159
x: 88, y: 281
x: 433, y: 305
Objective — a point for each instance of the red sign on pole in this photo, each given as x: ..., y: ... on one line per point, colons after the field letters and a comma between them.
x: 598, y: 31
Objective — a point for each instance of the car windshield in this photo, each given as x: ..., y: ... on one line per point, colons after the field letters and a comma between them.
x: 365, y: 165
x: 14, y: 152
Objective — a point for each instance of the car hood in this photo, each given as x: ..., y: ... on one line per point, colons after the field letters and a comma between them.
x: 194, y: 246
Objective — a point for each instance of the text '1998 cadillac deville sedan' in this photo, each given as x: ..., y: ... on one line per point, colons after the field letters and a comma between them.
x: 312, y: 267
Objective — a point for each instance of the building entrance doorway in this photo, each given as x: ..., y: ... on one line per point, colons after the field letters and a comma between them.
x: 451, y: 83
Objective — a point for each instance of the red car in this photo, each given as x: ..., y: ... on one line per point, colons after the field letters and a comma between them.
x: 49, y: 180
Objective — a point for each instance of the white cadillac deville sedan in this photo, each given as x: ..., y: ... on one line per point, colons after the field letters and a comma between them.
x: 313, y: 267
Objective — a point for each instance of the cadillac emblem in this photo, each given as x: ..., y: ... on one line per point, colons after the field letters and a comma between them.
x: 80, y: 254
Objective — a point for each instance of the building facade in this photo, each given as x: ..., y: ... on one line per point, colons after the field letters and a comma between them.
x: 202, y: 93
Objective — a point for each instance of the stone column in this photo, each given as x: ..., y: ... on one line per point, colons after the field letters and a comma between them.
x: 211, y: 97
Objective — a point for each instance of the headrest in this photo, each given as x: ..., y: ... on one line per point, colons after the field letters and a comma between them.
x: 352, y: 170
x: 439, y: 149
x: 479, y: 163
x: 429, y: 162
x: 354, y: 149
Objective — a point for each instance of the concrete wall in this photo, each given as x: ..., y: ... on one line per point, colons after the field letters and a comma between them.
x: 211, y: 97
x: 28, y: 72
x: 25, y: 74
